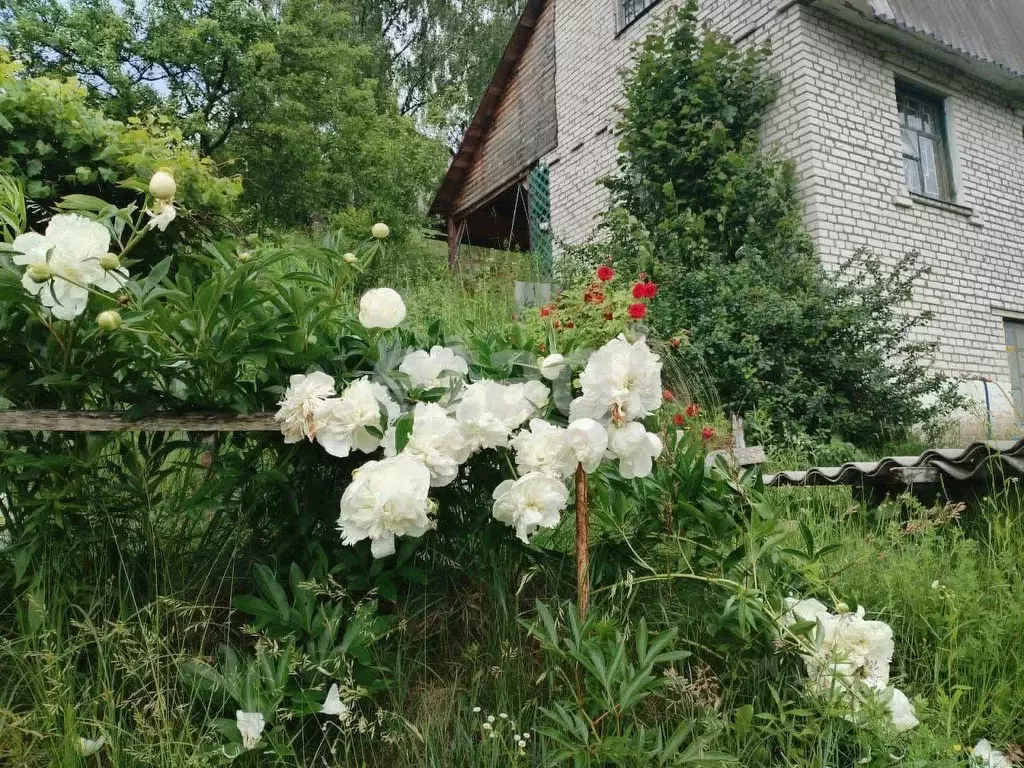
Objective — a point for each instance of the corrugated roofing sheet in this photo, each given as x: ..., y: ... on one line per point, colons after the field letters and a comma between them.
x: 977, y: 461
x: 991, y: 31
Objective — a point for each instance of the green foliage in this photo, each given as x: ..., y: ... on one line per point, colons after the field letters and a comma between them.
x: 285, y: 94
x: 57, y: 144
x: 716, y: 221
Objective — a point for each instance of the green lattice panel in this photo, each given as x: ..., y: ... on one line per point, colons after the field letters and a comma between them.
x: 539, y: 199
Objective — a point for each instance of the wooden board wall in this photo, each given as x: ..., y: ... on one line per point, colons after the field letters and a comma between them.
x: 524, y: 125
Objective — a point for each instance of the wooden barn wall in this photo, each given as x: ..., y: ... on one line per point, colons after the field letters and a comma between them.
x: 524, y: 127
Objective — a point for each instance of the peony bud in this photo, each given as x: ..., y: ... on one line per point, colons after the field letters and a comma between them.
x: 380, y: 230
x: 244, y: 256
x: 350, y: 258
x: 162, y: 185
x: 110, y: 262
x: 551, y: 366
x: 109, y: 320
x: 39, y: 272
x: 842, y: 607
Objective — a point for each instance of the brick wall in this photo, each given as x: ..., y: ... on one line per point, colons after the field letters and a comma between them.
x: 835, y: 118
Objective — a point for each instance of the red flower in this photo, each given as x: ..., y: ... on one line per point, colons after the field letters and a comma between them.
x: 545, y: 311
x: 605, y: 273
x: 556, y: 324
x: 675, y: 343
x: 652, y: 290
x: 542, y: 347
x: 678, y: 419
x: 609, y: 315
x: 570, y: 324
x: 637, y: 311
x: 707, y: 433
x: 692, y: 410
x: 640, y: 291
x: 593, y: 295
x: 667, y: 394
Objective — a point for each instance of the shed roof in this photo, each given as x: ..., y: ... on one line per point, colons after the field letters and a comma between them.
x: 990, y: 31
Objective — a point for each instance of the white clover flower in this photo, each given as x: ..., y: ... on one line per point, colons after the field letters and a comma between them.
x: 543, y: 448
x: 343, y: 424
x: 476, y: 709
x: 304, y: 396
x: 162, y: 185
x: 381, y: 308
x: 334, y: 706
x: 489, y: 412
x: 437, y: 368
x: 635, y: 448
x: 551, y: 367
x: 521, y: 744
x: 63, y: 263
x: 250, y: 725
x: 436, y: 441
x: 89, y: 747
x: 531, y: 502
x: 987, y: 757
x: 487, y: 726
x: 386, y: 499
x: 490, y: 718
x: 161, y: 214
x: 621, y: 381
x: 587, y: 440
x: 503, y: 715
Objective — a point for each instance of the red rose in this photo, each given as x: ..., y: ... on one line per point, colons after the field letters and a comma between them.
x: 692, y: 410
x: 652, y: 290
x: 707, y: 433
x: 545, y: 311
x: 640, y: 291
x: 678, y: 419
x: 637, y: 311
x: 605, y: 273
x: 667, y: 394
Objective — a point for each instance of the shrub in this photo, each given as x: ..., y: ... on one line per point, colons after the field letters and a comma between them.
x: 717, y: 222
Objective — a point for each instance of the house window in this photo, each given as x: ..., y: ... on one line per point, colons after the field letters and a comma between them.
x: 631, y: 10
x: 926, y: 165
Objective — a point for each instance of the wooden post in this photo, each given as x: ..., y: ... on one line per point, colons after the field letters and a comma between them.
x: 582, y: 543
x: 456, y: 229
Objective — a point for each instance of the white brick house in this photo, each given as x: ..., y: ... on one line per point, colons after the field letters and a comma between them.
x: 903, y: 119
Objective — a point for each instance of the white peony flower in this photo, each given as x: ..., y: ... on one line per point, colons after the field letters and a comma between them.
x: 343, y: 424
x: 436, y: 441
x: 489, y: 412
x: 551, y: 367
x: 436, y: 368
x: 900, y: 709
x: 386, y: 499
x: 621, y: 381
x: 635, y: 448
x: 532, y: 501
x: 544, y: 448
x: 89, y: 747
x: 334, y: 706
x: 161, y: 214
x: 304, y: 396
x: 381, y: 308
x: 250, y: 725
x: 588, y: 441
x: 860, y: 649
x: 63, y: 263
x: 987, y: 757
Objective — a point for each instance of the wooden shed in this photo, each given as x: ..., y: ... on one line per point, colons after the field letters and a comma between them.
x: 485, y: 196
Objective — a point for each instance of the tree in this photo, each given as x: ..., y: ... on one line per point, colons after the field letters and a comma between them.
x: 740, y: 275
x: 286, y: 88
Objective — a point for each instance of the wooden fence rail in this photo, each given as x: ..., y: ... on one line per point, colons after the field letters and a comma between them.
x: 114, y: 421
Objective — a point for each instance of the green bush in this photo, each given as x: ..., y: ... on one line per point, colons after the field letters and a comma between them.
x: 52, y: 139
x: 717, y: 222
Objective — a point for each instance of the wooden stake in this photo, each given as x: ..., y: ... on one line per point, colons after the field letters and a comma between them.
x: 582, y: 543
x: 114, y: 421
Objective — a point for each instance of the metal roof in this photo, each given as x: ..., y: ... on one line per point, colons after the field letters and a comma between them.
x: 991, y: 31
x: 977, y: 461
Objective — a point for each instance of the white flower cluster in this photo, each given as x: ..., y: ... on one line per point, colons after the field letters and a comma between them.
x: 389, y: 498
x: 62, y: 265
x: 850, y: 656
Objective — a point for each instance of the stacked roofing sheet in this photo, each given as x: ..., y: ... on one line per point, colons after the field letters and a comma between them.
x: 976, y: 462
